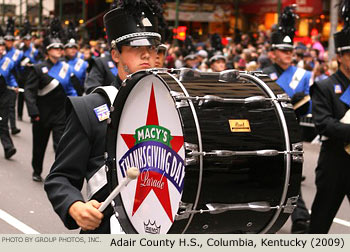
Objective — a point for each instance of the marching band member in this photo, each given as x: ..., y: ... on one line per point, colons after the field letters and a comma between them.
x: 132, y: 31
x: 15, y: 55
x: 77, y: 64
x: 295, y: 82
x: 161, y: 54
x: 103, y: 72
x: 331, y: 102
x: 217, y: 63
x: 31, y: 56
x: 48, y: 85
x: 7, y: 84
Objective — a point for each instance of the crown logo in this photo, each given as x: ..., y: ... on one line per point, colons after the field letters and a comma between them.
x: 152, y: 228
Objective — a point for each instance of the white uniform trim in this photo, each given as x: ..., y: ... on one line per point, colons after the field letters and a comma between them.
x: 298, y: 75
x: 99, y: 179
x: 110, y: 91
x: 48, y: 88
x: 96, y: 182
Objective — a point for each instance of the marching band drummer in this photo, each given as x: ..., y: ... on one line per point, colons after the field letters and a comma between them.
x: 295, y: 82
x: 331, y: 103
x: 132, y: 30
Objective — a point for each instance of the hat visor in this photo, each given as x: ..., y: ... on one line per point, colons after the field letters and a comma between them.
x: 54, y: 46
x: 343, y: 49
x: 141, y: 41
x: 283, y: 47
x: 70, y: 45
x: 9, y: 37
x: 27, y: 37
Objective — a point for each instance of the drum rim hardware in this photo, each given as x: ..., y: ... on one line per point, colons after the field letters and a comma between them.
x: 200, y: 147
x: 208, y: 98
x: 287, y: 158
x: 229, y: 153
x: 192, y: 148
x: 217, y: 208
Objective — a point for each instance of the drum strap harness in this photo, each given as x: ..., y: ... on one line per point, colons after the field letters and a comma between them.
x: 109, y: 93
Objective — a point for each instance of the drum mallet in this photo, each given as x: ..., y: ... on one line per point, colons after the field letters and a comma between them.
x: 131, y: 174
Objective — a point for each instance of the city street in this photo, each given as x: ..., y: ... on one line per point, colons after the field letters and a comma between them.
x: 24, y: 207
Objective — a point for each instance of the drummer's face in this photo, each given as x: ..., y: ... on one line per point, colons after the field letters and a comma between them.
x: 283, y: 58
x: 132, y: 59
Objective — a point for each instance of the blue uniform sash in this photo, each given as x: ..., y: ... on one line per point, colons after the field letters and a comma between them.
x: 31, y: 53
x: 284, y: 80
x: 15, y: 55
x: 345, y: 97
x: 112, y: 68
x: 79, y: 67
x: 62, y: 72
x: 6, y: 65
x: 300, y: 84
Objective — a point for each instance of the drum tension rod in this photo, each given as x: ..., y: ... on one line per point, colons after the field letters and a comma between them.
x: 227, y: 153
x: 217, y: 208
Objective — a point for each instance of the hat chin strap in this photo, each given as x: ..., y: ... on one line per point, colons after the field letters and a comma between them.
x: 126, y: 69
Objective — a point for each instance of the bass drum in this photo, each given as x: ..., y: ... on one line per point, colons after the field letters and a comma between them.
x: 217, y: 152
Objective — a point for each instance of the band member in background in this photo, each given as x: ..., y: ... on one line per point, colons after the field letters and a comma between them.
x: 48, y: 85
x: 330, y: 110
x: 7, y: 84
x: 217, y: 63
x: 15, y: 55
x: 296, y: 83
x: 31, y: 56
x: 72, y: 57
x: 103, y: 72
x: 161, y: 55
x: 80, y: 154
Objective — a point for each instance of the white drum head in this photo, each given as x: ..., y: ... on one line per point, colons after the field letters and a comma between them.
x: 150, y: 137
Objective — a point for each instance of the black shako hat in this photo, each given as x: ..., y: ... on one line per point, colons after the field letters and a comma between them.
x: 133, y: 23
x: 2, y: 41
x: 342, y: 38
x: 10, y: 29
x: 26, y: 31
x: 282, y: 37
x: 53, y: 38
x: 71, y: 36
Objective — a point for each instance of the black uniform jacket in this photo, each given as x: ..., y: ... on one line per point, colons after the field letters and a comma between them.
x: 327, y: 110
x: 79, y: 156
x: 50, y: 106
x: 100, y: 74
x: 274, y: 68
